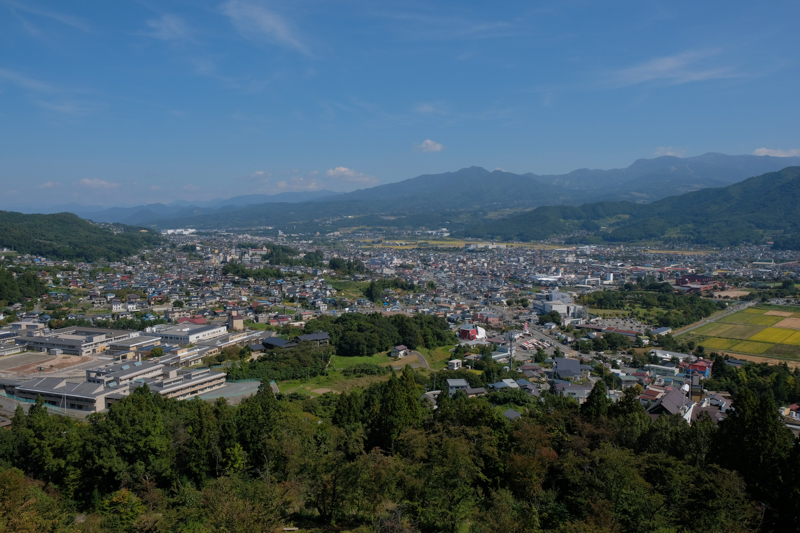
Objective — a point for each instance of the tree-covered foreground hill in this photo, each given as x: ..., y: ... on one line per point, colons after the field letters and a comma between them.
x: 64, y: 236
x: 382, y: 460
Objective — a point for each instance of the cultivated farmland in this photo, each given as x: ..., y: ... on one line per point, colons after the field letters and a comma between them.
x: 763, y: 330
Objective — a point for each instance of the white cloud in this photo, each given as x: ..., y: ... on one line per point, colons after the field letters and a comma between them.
x: 777, y: 153
x: 677, y: 69
x: 260, y: 175
x: 259, y: 24
x: 669, y: 150
x: 155, y: 187
x: 49, y: 185
x: 168, y: 28
x: 189, y: 187
x: 299, y: 183
x: 348, y: 175
x: 96, y: 183
x: 428, y: 146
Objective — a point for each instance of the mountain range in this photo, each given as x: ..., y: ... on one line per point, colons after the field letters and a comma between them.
x: 453, y: 199
x: 760, y: 209
x: 154, y: 212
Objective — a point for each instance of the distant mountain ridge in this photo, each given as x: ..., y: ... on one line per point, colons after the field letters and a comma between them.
x: 758, y: 209
x: 150, y: 213
x: 455, y: 199
x: 452, y: 199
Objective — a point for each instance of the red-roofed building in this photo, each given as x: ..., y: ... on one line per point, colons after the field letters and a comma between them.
x: 701, y: 366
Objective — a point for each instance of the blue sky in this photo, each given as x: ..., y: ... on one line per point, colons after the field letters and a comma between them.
x: 118, y: 103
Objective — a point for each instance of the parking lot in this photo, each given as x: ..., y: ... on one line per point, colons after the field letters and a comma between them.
x: 622, y: 323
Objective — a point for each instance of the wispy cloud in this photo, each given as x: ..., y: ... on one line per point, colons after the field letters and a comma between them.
x: 155, y: 187
x: 428, y: 146
x: 47, y: 13
x: 669, y: 150
x: 348, y: 175
x: 777, y: 153
x: 97, y: 183
x: 206, y: 66
x: 677, y: 69
x: 259, y: 24
x: 25, y: 82
x: 423, y: 26
x: 168, y: 28
x: 49, y: 96
x: 69, y: 106
x: 49, y: 185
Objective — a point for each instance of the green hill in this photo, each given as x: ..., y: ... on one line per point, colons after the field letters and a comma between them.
x: 66, y: 236
x: 760, y: 209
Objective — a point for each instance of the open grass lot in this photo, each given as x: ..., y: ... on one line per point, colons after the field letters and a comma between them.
x: 350, y: 289
x: 347, y: 362
x: 334, y: 382
x: 437, y: 357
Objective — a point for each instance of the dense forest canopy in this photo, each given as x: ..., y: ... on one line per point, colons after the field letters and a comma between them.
x: 65, y: 236
x: 26, y: 284
x: 382, y: 460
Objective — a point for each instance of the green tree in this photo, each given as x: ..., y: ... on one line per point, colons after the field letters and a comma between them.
x: 597, y: 403
x: 129, y: 443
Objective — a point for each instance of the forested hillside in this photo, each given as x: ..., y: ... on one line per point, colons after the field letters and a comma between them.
x: 381, y: 460
x: 66, y: 236
x: 756, y: 210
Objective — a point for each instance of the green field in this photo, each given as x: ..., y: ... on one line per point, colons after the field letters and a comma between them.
x: 751, y: 347
x: 714, y: 329
x: 347, y: 362
x: 741, y: 331
x: 750, y: 331
x: 719, y: 344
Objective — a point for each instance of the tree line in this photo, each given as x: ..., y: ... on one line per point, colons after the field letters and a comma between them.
x: 359, y: 334
x: 383, y: 460
x: 27, y: 284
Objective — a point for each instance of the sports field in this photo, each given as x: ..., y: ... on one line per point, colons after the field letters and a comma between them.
x: 762, y: 330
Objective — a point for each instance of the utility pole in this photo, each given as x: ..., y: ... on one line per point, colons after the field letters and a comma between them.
x: 510, y: 336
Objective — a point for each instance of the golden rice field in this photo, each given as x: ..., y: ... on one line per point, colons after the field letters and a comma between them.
x: 762, y: 330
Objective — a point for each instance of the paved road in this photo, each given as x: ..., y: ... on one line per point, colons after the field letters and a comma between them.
x: 422, y: 360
